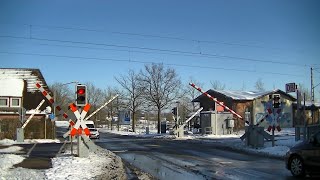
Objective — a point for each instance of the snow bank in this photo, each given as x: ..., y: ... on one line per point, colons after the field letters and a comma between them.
x: 7, y: 142
x: 100, y: 165
x: 62, y: 123
x: 11, y: 149
x: 42, y: 141
x: 8, y: 172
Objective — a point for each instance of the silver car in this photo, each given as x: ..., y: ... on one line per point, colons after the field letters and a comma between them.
x: 94, y: 133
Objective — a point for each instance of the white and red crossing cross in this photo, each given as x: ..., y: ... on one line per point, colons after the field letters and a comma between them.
x: 51, y: 100
x: 77, y: 130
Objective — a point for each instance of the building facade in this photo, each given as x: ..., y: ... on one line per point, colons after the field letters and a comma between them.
x: 19, y: 96
x: 249, y: 101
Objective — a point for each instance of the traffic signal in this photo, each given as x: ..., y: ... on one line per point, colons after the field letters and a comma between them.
x: 276, y: 100
x: 81, y: 95
x: 174, y: 111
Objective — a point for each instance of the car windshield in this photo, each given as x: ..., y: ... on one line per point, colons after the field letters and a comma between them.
x: 90, y: 125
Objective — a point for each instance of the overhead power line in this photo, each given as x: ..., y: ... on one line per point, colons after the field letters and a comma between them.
x: 146, y: 62
x: 146, y: 35
x: 155, y: 49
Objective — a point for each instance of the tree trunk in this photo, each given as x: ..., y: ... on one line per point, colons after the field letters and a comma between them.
x: 133, y: 121
x: 159, y: 124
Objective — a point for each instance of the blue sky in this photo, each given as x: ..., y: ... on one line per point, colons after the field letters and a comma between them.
x: 234, y: 42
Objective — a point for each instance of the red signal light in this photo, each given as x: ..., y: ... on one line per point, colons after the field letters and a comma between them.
x: 81, y: 91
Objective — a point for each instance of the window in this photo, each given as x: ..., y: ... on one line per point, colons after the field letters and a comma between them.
x: 4, y: 102
x: 15, y: 102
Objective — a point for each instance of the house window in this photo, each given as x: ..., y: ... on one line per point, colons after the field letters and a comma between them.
x: 4, y: 102
x: 15, y: 102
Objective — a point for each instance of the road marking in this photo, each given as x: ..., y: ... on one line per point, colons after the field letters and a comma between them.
x: 28, y: 154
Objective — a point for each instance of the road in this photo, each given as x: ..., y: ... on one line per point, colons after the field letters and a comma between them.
x: 174, y: 159
x: 38, y: 155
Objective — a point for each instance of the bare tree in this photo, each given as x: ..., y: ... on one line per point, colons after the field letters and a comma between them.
x: 304, y: 90
x: 116, y: 105
x: 133, y: 91
x: 94, y: 96
x: 161, y: 86
x: 62, y: 94
x: 244, y: 87
x: 217, y: 85
x: 191, y: 93
x: 259, y: 85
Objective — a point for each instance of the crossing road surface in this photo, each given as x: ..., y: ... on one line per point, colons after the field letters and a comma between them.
x: 174, y: 159
x: 39, y: 155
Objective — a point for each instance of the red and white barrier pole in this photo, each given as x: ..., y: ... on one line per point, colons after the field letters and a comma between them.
x: 46, y: 94
x: 218, y: 102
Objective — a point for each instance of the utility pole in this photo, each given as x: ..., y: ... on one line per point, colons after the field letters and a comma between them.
x: 312, y: 87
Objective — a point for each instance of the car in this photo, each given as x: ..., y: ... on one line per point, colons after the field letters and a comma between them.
x: 94, y: 133
x: 304, y: 158
x: 90, y: 124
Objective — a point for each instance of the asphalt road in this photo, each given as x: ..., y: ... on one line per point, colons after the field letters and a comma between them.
x: 38, y: 155
x: 174, y: 159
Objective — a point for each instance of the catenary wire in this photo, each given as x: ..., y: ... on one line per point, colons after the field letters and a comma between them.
x: 144, y: 62
x: 153, y: 49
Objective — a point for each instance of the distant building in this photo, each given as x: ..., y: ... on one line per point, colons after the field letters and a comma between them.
x: 249, y: 101
x: 17, y: 91
x: 308, y: 111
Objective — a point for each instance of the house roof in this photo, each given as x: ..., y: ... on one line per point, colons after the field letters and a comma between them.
x: 244, y: 95
x: 308, y: 104
x: 31, y: 76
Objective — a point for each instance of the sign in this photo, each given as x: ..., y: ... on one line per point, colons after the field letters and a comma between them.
x: 290, y: 87
x: 124, y: 117
x: 51, y: 116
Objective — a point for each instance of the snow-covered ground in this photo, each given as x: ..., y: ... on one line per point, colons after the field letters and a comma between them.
x: 284, y: 140
x: 102, y: 164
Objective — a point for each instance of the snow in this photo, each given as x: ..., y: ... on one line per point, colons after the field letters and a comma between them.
x: 309, y: 103
x: 6, y: 142
x: 101, y: 164
x: 244, y: 95
x: 11, y: 149
x: 81, y: 167
x: 11, y: 87
x: 62, y: 123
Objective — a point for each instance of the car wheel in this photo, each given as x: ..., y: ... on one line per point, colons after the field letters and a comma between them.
x: 297, y: 167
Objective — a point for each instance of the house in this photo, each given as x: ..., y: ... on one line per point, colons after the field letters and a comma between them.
x: 18, y: 93
x: 249, y: 101
x: 309, y: 110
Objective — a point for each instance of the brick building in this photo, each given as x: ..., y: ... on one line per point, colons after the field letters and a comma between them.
x: 18, y: 92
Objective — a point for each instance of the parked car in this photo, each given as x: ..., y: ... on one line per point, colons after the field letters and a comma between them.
x: 94, y: 133
x: 304, y: 158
